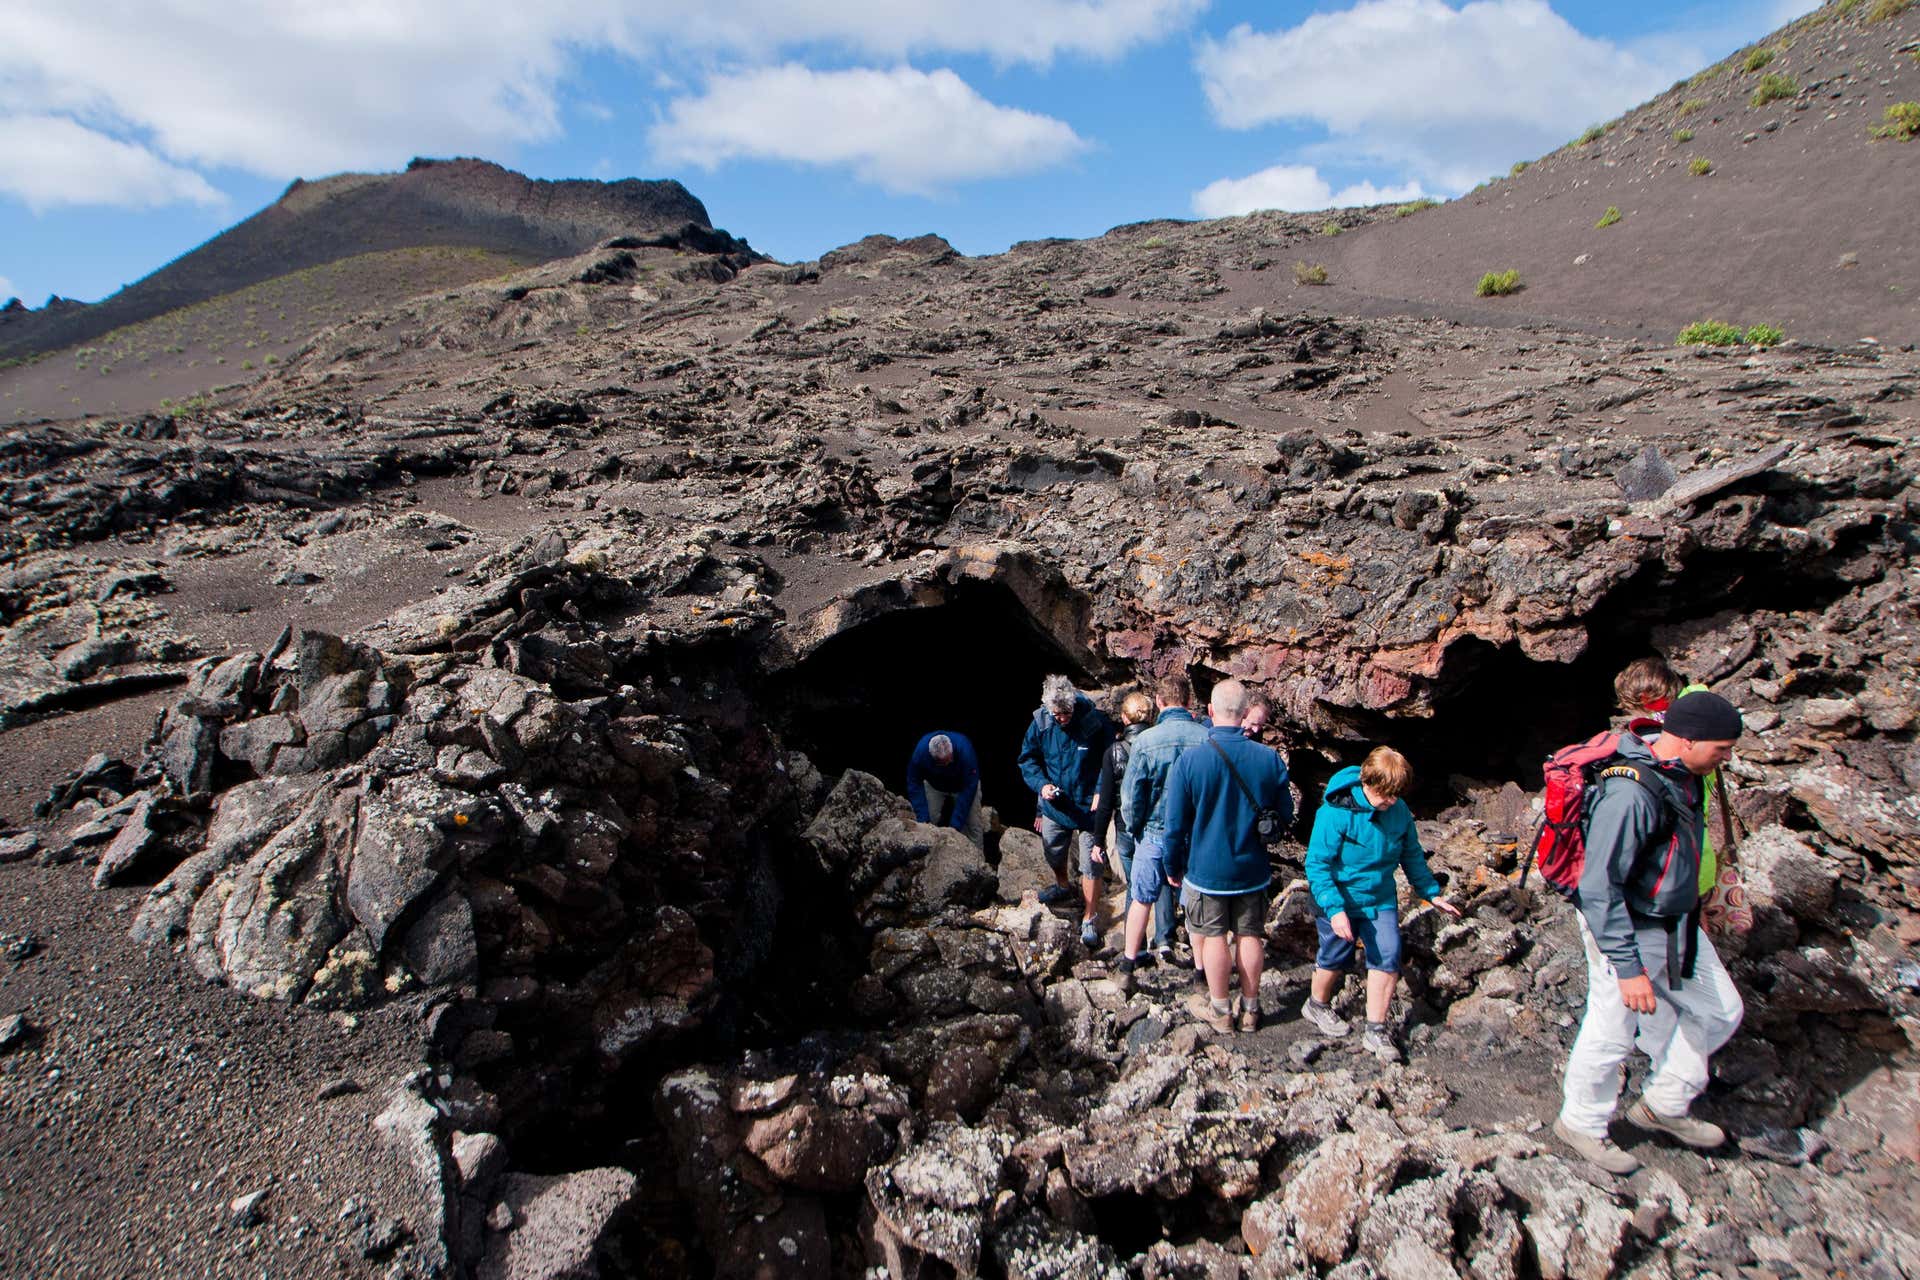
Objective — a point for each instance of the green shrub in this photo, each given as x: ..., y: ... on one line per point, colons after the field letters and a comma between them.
x: 1309, y: 273
x: 1154, y: 242
x: 1607, y: 219
x: 1773, y: 88
x: 1884, y: 10
x: 1710, y: 333
x: 1519, y: 167
x: 1331, y: 228
x: 1692, y: 105
x: 1594, y: 133
x: 1683, y: 135
x: 1846, y: 7
x: 1903, y: 122
x: 1764, y: 335
x: 1699, y: 167
x: 1758, y: 59
x: 1412, y: 207
x: 1498, y: 284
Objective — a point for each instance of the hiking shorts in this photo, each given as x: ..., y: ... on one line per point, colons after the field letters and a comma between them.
x: 1057, y: 841
x: 1380, y: 936
x: 1244, y: 915
x: 1148, y: 878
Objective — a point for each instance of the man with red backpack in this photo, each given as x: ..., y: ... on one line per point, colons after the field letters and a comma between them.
x: 1651, y: 972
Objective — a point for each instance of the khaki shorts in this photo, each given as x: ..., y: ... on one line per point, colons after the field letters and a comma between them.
x: 1244, y: 915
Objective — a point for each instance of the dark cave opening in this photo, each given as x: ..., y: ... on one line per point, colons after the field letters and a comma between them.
x: 971, y: 665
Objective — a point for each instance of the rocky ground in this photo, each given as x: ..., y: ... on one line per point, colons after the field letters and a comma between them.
x: 498, y: 707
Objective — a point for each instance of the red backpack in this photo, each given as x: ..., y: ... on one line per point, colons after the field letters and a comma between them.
x: 1572, y: 774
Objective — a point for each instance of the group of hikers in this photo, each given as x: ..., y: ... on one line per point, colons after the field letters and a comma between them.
x: 1190, y: 809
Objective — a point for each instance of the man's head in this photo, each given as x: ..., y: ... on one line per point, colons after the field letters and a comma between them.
x: 1228, y: 703
x: 1136, y: 708
x: 1259, y: 712
x: 1173, y: 690
x: 941, y: 749
x: 1385, y: 775
x: 1699, y: 732
x: 1059, y: 697
x: 1646, y: 685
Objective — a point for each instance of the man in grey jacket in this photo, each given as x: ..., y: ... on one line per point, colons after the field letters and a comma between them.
x: 1652, y: 975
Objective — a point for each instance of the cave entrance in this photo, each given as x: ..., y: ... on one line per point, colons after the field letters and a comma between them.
x: 972, y: 664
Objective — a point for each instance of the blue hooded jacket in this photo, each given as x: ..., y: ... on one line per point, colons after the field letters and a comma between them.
x: 1148, y: 766
x: 1068, y: 757
x: 1355, y: 849
x: 960, y: 775
x: 1212, y: 840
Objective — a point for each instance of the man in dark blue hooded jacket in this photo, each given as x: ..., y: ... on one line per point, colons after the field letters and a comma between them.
x: 1060, y: 759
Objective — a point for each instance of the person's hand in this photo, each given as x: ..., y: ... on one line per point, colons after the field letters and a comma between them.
x: 1447, y: 907
x: 1097, y: 855
x: 1095, y: 804
x: 1637, y: 994
x: 1172, y: 883
x: 1049, y: 792
x: 1342, y: 927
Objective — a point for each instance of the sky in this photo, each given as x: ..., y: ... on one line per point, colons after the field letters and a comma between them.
x: 133, y: 130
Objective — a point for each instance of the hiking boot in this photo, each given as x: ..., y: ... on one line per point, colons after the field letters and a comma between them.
x: 1201, y: 1005
x: 1090, y: 934
x: 1597, y: 1151
x: 1055, y: 894
x: 1123, y: 975
x: 1378, y: 1041
x: 1695, y: 1133
x: 1249, y: 1016
x: 1323, y: 1019
x: 1163, y: 953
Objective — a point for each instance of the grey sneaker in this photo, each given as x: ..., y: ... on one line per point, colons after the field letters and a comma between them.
x: 1323, y: 1019
x: 1695, y: 1133
x: 1596, y: 1151
x: 1378, y: 1041
x: 1090, y: 934
x: 1200, y: 1004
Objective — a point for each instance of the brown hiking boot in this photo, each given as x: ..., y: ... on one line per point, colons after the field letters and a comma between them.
x: 1597, y: 1151
x: 1123, y: 978
x: 1200, y: 1004
x: 1695, y: 1133
x: 1249, y: 1016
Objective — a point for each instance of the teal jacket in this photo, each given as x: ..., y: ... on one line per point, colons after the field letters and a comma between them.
x: 1355, y: 848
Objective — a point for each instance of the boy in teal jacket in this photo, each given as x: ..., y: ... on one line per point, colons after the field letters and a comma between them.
x: 1362, y: 834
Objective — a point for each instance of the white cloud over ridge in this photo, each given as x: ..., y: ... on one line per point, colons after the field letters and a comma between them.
x: 1296, y: 188
x: 50, y: 161
x: 1449, y: 94
x: 280, y: 90
x: 903, y: 130
x: 6, y: 289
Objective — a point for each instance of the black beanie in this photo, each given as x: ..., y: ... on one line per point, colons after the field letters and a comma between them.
x: 1703, y: 717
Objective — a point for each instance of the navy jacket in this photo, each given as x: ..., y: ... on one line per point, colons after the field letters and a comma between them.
x: 1069, y: 758
x: 960, y: 775
x: 1212, y: 843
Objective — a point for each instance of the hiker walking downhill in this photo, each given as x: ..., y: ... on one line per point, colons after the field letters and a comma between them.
x: 1652, y: 974
x: 1216, y: 796
x: 1363, y: 833
x: 1060, y: 760
x: 943, y: 784
x: 1142, y: 789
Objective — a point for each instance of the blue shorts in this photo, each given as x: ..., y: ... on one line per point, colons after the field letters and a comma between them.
x: 1380, y: 937
x: 1148, y: 879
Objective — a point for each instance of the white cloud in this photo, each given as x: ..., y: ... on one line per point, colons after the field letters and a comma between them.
x: 47, y: 161
x: 1449, y: 94
x: 1298, y: 188
x: 6, y: 289
x: 903, y: 130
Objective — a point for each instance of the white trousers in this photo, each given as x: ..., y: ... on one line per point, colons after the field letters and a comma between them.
x: 1679, y: 1037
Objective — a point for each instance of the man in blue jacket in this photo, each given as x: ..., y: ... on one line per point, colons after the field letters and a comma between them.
x: 1060, y: 760
x: 1141, y: 813
x: 1214, y: 797
x: 943, y: 784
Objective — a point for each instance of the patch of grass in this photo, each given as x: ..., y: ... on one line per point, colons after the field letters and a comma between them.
x: 1710, y: 333
x: 1699, y: 167
x: 1683, y: 135
x: 1154, y: 242
x: 1498, y: 284
x: 1885, y: 10
x: 1903, y: 122
x: 1331, y: 228
x: 1412, y: 207
x: 1692, y: 105
x: 1764, y: 335
x: 1309, y: 273
x: 1758, y: 59
x: 1519, y: 167
x: 1846, y: 7
x: 1607, y: 219
x: 1593, y: 133
x: 1773, y: 88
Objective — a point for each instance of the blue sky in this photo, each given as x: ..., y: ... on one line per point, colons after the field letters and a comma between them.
x: 133, y: 130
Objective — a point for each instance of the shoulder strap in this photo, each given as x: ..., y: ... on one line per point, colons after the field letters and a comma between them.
x: 1662, y: 795
x: 1245, y: 790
